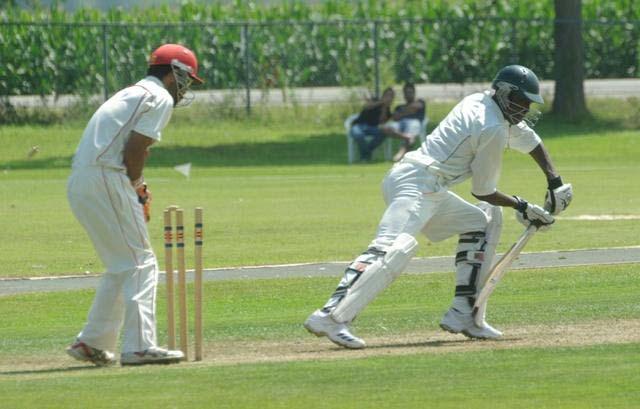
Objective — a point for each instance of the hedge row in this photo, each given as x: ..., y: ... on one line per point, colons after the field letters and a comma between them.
x: 294, y: 43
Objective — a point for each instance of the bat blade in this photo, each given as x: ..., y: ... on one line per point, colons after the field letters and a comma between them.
x: 498, y: 271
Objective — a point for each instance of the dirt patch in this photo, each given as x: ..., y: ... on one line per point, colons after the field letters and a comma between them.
x: 311, y: 348
x: 428, y: 342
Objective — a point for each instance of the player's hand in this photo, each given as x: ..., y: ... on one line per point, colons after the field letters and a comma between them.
x: 144, y: 198
x: 528, y: 214
x: 558, y: 196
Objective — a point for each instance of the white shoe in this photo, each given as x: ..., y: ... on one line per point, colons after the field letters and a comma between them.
x: 322, y: 324
x: 458, y: 322
x: 153, y: 355
x: 85, y: 353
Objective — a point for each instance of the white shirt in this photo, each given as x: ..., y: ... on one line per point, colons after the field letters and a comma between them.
x: 145, y: 107
x: 470, y: 141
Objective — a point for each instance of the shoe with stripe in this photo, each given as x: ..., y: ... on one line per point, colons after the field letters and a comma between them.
x: 85, y: 353
x: 321, y: 324
x: 153, y: 355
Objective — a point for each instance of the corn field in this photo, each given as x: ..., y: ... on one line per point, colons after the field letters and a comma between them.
x: 335, y: 43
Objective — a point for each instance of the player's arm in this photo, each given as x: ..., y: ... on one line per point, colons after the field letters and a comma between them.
x: 526, y: 213
x: 542, y: 158
x: 558, y: 195
x: 485, y: 169
x: 135, y: 154
x: 541, y: 155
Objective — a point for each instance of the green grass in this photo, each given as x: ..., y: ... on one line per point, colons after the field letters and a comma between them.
x: 595, y: 377
x: 274, y: 308
x: 590, y: 376
x: 276, y: 189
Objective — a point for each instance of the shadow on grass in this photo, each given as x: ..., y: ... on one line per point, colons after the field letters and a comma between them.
x: 551, y: 126
x: 50, y: 370
x: 300, y: 150
x: 324, y: 149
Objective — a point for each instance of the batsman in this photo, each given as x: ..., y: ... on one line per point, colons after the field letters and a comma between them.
x: 467, y: 144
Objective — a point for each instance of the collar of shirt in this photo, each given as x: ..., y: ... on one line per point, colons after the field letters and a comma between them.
x: 155, y: 80
x: 495, y: 107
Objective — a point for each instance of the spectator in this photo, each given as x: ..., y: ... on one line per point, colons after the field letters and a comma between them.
x: 366, y: 129
x: 407, y: 119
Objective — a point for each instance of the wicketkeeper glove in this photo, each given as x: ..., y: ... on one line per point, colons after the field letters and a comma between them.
x: 144, y: 198
x: 558, y: 196
x: 528, y: 214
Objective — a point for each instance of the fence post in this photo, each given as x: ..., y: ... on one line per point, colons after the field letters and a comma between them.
x: 514, y: 42
x: 376, y: 58
x: 105, y: 59
x: 247, y: 67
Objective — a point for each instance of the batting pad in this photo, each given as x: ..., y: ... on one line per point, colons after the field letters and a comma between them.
x: 492, y: 237
x: 377, y: 276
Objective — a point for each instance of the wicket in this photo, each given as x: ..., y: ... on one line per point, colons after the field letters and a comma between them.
x: 182, y: 280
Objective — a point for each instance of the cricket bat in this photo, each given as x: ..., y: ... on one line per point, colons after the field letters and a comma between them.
x: 498, y: 271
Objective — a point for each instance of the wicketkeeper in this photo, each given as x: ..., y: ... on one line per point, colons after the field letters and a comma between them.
x: 468, y: 143
x: 108, y: 196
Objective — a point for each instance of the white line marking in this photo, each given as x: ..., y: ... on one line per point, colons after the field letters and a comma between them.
x: 601, y: 217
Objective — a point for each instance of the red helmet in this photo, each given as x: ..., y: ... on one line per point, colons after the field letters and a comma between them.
x: 179, y: 57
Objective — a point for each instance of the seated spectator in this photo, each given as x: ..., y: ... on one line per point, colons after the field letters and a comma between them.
x: 366, y: 129
x: 407, y: 119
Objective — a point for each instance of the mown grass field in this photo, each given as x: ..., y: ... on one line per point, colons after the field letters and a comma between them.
x: 571, y: 341
x: 276, y: 189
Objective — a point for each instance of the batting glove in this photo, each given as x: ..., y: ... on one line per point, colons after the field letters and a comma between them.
x: 144, y: 198
x: 558, y: 196
x: 528, y: 214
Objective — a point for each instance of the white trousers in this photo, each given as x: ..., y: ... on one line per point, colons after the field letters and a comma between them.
x: 417, y: 203
x: 107, y: 207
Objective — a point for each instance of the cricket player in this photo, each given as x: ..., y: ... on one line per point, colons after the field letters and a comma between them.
x: 468, y: 143
x: 109, y: 197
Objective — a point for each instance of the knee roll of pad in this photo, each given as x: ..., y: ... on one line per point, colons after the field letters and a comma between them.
x: 375, y: 278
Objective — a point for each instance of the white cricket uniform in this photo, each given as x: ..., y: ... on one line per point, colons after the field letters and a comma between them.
x: 468, y: 143
x: 104, y: 202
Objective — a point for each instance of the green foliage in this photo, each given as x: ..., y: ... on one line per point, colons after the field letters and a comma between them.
x: 295, y: 43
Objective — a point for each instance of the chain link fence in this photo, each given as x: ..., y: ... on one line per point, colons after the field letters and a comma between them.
x: 252, y: 60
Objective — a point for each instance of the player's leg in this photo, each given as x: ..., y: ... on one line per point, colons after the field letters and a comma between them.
x: 383, y: 261
x: 109, y: 210
x: 139, y: 341
x: 479, y: 229
x: 91, y: 207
